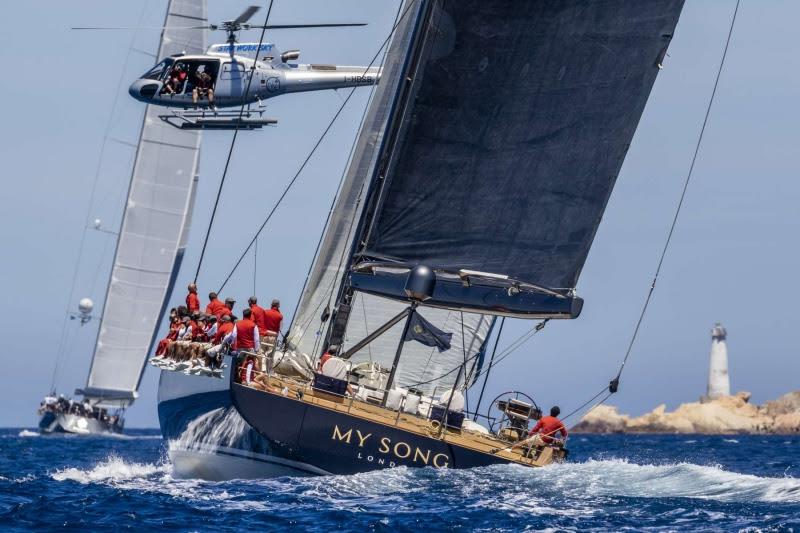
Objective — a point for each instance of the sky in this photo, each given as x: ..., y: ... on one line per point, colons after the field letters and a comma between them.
x: 733, y: 257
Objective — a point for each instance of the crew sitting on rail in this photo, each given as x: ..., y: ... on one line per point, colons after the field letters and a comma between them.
x: 199, y: 331
x: 176, y: 78
x: 547, y: 427
x: 172, y: 334
x: 211, y: 327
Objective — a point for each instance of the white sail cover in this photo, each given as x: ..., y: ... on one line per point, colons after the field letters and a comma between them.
x: 418, y: 363
x: 154, y: 230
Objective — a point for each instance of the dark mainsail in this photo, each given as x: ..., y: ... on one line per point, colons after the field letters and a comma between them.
x: 512, y: 137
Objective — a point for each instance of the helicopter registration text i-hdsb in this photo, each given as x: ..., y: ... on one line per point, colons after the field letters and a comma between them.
x: 236, y: 74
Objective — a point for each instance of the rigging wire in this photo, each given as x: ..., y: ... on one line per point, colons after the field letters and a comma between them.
x: 614, y: 384
x: 233, y: 143
x: 491, y: 361
x: 64, y: 337
x: 310, y: 154
x: 255, y: 265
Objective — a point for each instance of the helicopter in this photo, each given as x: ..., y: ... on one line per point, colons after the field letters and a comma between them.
x: 199, y: 87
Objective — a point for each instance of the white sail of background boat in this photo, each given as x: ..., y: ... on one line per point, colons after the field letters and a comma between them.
x: 149, y: 250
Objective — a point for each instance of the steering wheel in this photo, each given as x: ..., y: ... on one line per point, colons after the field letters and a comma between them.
x: 497, y: 424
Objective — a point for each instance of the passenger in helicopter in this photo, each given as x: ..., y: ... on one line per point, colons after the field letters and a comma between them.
x: 177, y: 77
x: 203, y: 87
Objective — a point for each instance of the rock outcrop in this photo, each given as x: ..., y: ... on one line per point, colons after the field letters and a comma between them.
x: 726, y: 415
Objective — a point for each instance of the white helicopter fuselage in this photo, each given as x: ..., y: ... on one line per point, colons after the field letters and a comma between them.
x: 231, y: 77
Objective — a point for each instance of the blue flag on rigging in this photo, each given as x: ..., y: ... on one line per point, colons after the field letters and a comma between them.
x: 421, y: 330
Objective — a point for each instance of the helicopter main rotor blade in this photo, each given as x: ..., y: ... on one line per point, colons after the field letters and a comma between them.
x: 291, y: 26
x: 143, y: 28
x: 246, y: 14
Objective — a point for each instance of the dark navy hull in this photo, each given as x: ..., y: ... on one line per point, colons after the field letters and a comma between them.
x: 337, y: 443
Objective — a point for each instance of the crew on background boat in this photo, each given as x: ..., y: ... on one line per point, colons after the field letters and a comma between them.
x: 192, y: 301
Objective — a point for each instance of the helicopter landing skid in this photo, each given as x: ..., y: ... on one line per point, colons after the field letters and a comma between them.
x: 217, y: 120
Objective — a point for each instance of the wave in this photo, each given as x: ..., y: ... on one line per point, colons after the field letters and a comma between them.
x: 29, y: 433
x: 525, y: 488
x: 619, y: 477
x: 113, y: 469
x: 509, y: 488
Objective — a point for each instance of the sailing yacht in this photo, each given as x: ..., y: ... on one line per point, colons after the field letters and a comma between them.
x: 480, y: 178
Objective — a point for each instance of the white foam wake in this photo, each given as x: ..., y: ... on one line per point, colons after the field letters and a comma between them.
x: 113, y: 469
x: 619, y: 477
x: 29, y: 433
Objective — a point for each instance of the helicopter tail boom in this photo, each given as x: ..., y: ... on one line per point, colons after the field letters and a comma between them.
x: 319, y: 77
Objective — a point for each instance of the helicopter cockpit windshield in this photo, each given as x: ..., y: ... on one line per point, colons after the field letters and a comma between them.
x: 159, y: 71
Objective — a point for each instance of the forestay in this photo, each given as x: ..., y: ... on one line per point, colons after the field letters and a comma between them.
x: 154, y: 231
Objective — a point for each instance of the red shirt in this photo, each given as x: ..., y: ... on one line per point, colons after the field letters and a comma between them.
x: 222, y: 330
x: 215, y: 307
x: 547, y: 427
x: 272, y: 321
x: 192, y: 302
x: 245, y: 335
x: 260, y: 318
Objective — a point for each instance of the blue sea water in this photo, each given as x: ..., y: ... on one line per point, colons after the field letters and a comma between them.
x: 615, y: 482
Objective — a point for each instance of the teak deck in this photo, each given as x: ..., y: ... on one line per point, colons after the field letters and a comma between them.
x: 304, y: 393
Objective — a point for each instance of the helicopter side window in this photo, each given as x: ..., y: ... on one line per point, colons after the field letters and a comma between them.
x: 232, y: 71
x: 158, y: 71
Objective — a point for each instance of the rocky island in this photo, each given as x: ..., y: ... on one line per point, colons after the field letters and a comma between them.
x: 722, y: 415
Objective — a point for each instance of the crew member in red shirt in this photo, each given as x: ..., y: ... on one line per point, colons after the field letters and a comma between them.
x: 214, y: 305
x: 273, y: 318
x: 245, y: 334
x: 192, y: 301
x: 227, y: 308
x: 259, y: 315
x: 332, y: 351
x: 547, y: 427
x: 224, y: 328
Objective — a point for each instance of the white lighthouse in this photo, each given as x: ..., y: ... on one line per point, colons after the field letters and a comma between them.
x: 719, y: 383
